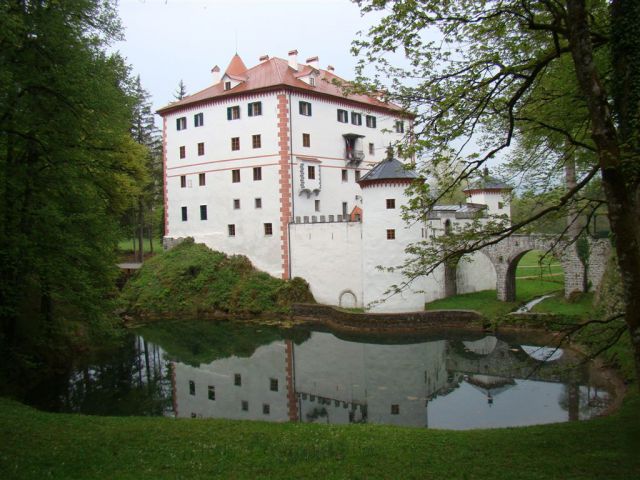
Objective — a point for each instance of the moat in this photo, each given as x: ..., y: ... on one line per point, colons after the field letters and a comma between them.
x: 236, y: 371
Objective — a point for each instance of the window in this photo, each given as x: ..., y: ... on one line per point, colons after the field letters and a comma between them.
x: 235, y: 143
x: 356, y: 118
x: 305, y: 109
x: 235, y: 176
x: 181, y: 123
x: 245, y: 406
x: 343, y: 116
x: 232, y: 230
x: 233, y: 113
x: 184, y: 214
x: 306, y: 140
x: 317, y: 205
x: 391, y: 234
x: 257, y: 174
x: 312, y: 81
x: 193, y: 415
x: 236, y: 204
x: 256, y: 141
x: 202, y: 179
x: 395, y: 409
x: 183, y: 152
x: 203, y: 212
x: 198, y: 119
x: 357, y: 175
x: 255, y: 109
x: 344, y: 208
x: 399, y: 126
x: 227, y: 85
x: 391, y: 203
x: 372, y: 149
x: 183, y: 181
x: 311, y: 172
x: 258, y: 203
x: 500, y: 205
x: 273, y: 384
x: 268, y: 229
x: 266, y: 409
x: 371, y: 121
x: 237, y: 380
x: 192, y: 387
x: 201, y: 149
x: 211, y: 392
x: 345, y: 175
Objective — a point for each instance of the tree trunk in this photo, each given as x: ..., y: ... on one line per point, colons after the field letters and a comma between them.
x: 615, y: 154
x: 140, y: 232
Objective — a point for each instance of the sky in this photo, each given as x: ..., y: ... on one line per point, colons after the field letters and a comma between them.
x: 171, y: 40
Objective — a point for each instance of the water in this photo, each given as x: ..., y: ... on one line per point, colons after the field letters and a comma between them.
x: 223, y: 370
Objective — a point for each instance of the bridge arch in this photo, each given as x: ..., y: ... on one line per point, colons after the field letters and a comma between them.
x: 506, y: 254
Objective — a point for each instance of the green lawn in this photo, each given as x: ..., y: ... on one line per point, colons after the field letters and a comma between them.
x: 39, y: 445
x: 535, y: 264
x: 126, y: 246
x: 487, y: 303
x: 580, y: 307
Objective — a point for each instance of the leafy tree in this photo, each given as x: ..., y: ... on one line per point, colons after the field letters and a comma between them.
x: 492, y: 72
x: 145, y: 133
x: 68, y: 166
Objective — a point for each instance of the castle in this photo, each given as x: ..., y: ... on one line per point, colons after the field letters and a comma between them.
x: 278, y: 163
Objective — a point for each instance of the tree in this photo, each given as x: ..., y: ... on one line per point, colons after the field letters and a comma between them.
x: 145, y: 133
x: 481, y: 72
x: 181, y: 92
x: 68, y: 166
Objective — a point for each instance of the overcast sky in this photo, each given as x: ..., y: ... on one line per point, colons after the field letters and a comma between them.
x: 170, y: 40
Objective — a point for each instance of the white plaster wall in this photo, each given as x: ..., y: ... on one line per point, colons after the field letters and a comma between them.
x: 219, y: 191
x: 329, y: 257
x: 475, y: 272
x: 328, y: 147
x: 266, y: 362
x: 377, y: 250
x: 491, y: 199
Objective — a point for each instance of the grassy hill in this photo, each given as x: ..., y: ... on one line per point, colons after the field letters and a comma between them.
x: 193, y: 280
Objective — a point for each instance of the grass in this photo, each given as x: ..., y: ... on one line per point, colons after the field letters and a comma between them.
x: 580, y: 307
x: 36, y: 445
x: 126, y: 246
x: 488, y: 304
x: 191, y: 279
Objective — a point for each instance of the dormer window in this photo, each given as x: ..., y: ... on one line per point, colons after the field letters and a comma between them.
x: 227, y: 85
x: 312, y: 81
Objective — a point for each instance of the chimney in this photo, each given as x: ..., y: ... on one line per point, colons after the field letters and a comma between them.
x: 293, y: 59
x: 215, y: 72
x: 263, y: 58
x: 330, y: 68
x: 313, y: 62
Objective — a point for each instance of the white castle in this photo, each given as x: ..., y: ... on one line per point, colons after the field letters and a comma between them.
x: 278, y: 163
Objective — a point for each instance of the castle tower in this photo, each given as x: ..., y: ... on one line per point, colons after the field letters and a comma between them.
x: 492, y: 192
x: 385, y: 235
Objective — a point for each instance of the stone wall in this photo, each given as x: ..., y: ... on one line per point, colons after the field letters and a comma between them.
x: 398, y: 322
x: 599, y: 251
x: 169, y: 242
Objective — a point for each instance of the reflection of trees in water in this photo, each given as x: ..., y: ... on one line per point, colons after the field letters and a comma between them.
x: 582, y: 401
x: 132, y: 379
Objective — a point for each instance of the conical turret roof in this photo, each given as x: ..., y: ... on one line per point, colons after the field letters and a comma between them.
x: 236, y: 66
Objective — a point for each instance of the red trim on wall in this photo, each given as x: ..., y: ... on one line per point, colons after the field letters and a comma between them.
x: 164, y: 170
x: 285, y: 181
x: 225, y: 160
x: 224, y: 169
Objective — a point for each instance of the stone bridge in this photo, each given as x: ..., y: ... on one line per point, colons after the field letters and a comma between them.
x: 506, y: 254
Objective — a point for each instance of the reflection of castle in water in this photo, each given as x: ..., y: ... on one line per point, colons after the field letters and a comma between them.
x: 329, y: 380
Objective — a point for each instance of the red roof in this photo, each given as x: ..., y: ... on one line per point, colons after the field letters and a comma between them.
x: 276, y: 73
x: 236, y: 66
